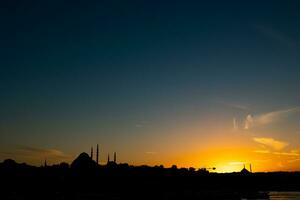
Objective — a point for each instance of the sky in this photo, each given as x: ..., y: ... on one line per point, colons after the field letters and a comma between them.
x: 191, y: 83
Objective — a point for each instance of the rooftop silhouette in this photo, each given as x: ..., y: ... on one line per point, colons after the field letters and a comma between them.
x: 86, y: 179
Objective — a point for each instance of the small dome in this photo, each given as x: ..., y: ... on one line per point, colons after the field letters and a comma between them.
x: 245, y: 171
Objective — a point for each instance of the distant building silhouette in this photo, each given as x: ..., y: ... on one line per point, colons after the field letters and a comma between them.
x: 83, y: 161
x: 115, y: 157
x: 9, y: 163
x: 112, y: 164
x: 245, y: 171
x: 97, y: 154
x: 92, y: 153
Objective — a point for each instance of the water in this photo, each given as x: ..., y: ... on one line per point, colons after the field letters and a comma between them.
x: 281, y: 196
x: 284, y: 195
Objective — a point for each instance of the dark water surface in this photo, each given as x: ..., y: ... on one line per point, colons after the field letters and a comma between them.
x: 285, y: 195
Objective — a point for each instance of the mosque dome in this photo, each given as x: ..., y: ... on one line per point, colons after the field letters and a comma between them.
x: 83, y: 161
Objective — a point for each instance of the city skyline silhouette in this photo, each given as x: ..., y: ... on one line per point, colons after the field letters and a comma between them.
x: 179, y: 96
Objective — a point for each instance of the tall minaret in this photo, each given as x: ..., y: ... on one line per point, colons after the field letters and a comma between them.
x: 97, y: 154
x: 115, y: 157
x: 92, y: 153
x: 250, y: 168
x: 108, y: 158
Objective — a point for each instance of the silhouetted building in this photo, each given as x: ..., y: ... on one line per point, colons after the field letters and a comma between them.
x: 9, y: 163
x: 115, y: 157
x: 64, y: 165
x: 92, y: 153
x: 97, y: 154
x: 108, y: 160
x: 83, y: 161
x: 245, y: 171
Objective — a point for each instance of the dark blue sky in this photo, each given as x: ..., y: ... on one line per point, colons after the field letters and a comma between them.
x: 101, y: 69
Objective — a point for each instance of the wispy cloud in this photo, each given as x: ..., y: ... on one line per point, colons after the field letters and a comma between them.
x: 141, y: 124
x: 268, y: 118
x: 235, y: 124
x: 271, y: 143
x: 237, y: 163
x: 248, y: 122
x: 293, y: 160
x: 291, y: 153
x: 262, y: 160
x: 276, y: 115
x: 234, y: 105
x: 262, y: 151
x: 275, y: 147
x: 275, y: 35
x: 50, y: 153
x: 151, y: 152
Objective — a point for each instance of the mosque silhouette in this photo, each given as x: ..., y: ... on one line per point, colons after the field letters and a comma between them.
x: 85, y: 161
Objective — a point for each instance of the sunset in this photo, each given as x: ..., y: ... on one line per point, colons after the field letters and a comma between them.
x: 207, y: 86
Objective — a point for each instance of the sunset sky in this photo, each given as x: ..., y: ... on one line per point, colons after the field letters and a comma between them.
x: 160, y: 82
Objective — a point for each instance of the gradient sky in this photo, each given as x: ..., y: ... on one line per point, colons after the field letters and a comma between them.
x: 161, y: 82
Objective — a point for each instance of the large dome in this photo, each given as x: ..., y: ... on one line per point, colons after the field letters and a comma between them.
x: 83, y: 161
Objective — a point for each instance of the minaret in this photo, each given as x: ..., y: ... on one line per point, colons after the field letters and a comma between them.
x: 92, y: 153
x: 115, y: 157
x: 250, y: 168
x: 97, y: 154
x: 108, y: 158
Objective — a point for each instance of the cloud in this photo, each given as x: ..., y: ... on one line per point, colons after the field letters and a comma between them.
x: 276, y: 115
x: 237, y: 163
x: 275, y: 35
x: 268, y: 118
x: 151, y: 152
x: 49, y: 153
x: 293, y: 160
x: 272, y: 143
x: 248, y: 122
x: 141, y: 124
x: 291, y: 153
x: 262, y: 151
x: 235, y: 124
x: 262, y: 160
x: 234, y: 105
